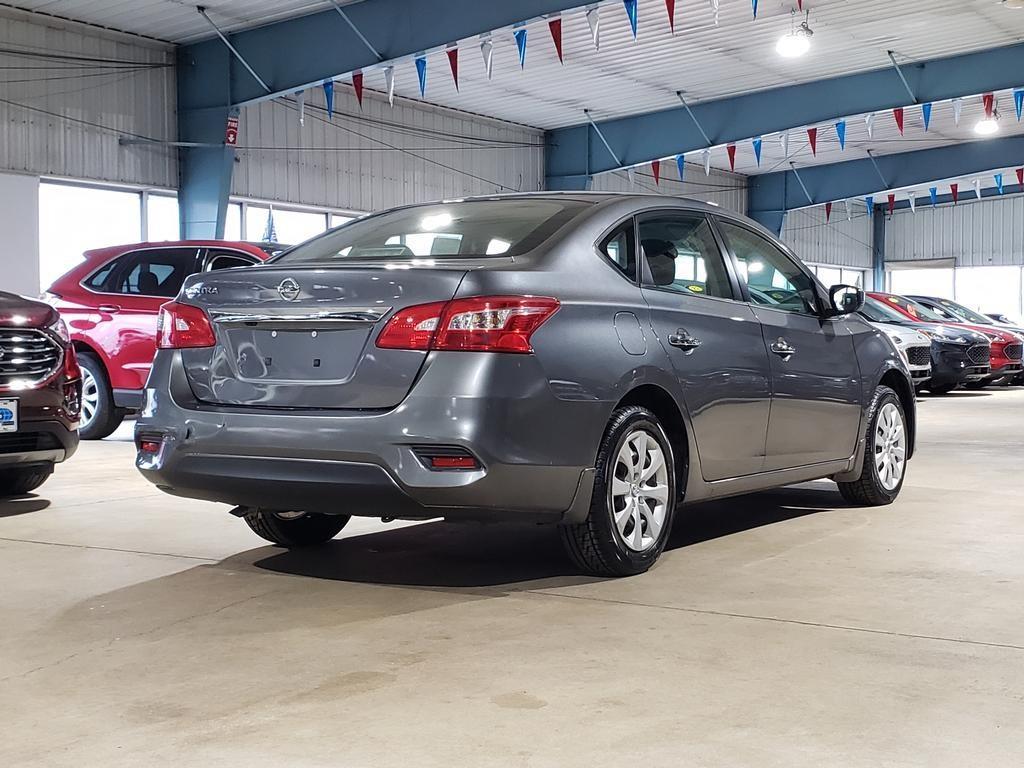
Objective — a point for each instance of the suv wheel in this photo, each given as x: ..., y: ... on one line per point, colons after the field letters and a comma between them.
x: 100, y: 417
x: 294, y: 529
x: 634, y: 499
x: 885, y: 453
x: 17, y: 482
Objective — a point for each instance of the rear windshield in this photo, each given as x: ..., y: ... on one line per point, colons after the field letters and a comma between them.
x: 443, y: 230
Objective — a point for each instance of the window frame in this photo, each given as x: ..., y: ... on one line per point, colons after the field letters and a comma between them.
x: 605, y: 237
x: 130, y: 258
x: 647, y: 279
x: 210, y: 254
x: 818, y: 311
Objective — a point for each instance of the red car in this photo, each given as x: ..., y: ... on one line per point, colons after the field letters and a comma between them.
x: 110, y: 303
x: 1006, y: 346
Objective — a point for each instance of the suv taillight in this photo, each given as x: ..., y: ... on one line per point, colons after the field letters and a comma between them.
x: 477, y: 324
x: 182, y: 326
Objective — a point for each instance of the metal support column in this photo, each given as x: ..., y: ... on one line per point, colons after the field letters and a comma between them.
x: 878, y: 248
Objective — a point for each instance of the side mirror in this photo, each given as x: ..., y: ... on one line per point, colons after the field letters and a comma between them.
x: 845, y: 299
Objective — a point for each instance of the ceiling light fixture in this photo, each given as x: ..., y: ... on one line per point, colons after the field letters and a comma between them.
x: 797, y: 41
x: 988, y: 126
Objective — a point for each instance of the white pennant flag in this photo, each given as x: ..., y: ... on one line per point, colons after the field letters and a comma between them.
x: 715, y: 7
x: 594, y: 20
x: 784, y: 140
x: 849, y: 210
x: 869, y: 121
x: 389, y: 84
x: 977, y: 188
x: 300, y: 99
x: 912, y: 199
x: 958, y: 107
x: 707, y: 162
x: 631, y: 176
x: 487, y: 51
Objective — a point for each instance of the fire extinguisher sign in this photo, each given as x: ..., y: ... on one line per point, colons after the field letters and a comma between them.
x: 231, y: 134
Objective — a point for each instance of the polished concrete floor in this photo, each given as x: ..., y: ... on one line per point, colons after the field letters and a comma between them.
x: 782, y: 629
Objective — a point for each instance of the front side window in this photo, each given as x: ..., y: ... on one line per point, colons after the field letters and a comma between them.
x: 683, y: 256
x: 157, y: 272
x: 472, y: 228
x: 772, y: 278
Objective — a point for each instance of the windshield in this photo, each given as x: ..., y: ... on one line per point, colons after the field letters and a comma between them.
x: 496, y: 227
x: 877, y: 312
x: 919, y: 311
x: 962, y: 313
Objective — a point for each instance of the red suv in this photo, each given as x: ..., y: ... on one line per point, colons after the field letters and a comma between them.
x: 111, y: 302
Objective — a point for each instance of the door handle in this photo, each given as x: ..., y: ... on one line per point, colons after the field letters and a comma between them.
x: 783, y: 349
x: 683, y: 340
x: 110, y: 308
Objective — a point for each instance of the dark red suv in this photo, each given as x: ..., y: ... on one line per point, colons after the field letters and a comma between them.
x: 40, y: 394
x: 111, y: 302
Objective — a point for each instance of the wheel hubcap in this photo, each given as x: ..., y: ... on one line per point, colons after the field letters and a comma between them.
x: 639, y: 493
x: 90, y: 398
x: 890, y: 447
x: 289, y: 515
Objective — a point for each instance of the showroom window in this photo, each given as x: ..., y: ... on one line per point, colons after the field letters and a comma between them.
x: 289, y: 227
x: 924, y: 282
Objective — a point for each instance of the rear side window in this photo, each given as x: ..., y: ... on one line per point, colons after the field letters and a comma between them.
x: 99, y: 279
x: 156, y: 272
x: 620, y: 249
x: 682, y: 255
x: 218, y: 261
x: 469, y: 228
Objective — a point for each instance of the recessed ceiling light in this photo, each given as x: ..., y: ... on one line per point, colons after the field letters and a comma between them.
x: 794, y: 44
x: 1015, y: 4
x: 988, y: 126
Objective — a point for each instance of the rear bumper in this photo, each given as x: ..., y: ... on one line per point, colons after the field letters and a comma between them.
x: 536, y: 451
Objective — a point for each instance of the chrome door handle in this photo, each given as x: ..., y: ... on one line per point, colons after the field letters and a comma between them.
x: 109, y: 308
x: 684, y: 340
x: 783, y: 349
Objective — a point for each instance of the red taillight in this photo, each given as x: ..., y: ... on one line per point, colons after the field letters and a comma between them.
x: 182, y: 326
x: 478, y: 324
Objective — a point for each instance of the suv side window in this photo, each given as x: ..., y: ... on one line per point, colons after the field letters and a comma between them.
x: 620, y: 249
x: 155, y: 272
x: 772, y: 278
x: 98, y: 280
x: 683, y: 256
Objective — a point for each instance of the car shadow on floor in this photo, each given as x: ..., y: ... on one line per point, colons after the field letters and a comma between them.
x: 22, y: 505
x: 514, y: 557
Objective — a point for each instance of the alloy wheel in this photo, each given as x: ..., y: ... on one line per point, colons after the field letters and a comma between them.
x: 890, y: 446
x: 90, y: 398
x: 639, y: 492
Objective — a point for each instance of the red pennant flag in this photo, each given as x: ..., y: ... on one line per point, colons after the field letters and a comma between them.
x: 656, y: 169
x: 892, y: 203
x: 812, y: 134
x: 357, y: 83
x: 955, y: 189
x: 453, y: 62
x: 898, y: 114
x: 800, y: 5
x: 731, y: 149
x: 828, y: 212
x: 670, y: 6
x: 555, y: 25
x: 989, y: 101
x: 1020, y: 176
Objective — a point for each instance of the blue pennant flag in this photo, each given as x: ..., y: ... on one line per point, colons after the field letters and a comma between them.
x: 754, y: 3
x: 757, y: 149
x: 926, y: 113
x: 869, y: 201
x: 270, y: 231
x: 631, y: 13
x: 933, y: 192
x: 681, y: 165
x: 841, y: 133
x: 421, y: 70
x: 521, y: 45
x: 999, y: 182
x: 1018, y: 101
x: 329, y: 95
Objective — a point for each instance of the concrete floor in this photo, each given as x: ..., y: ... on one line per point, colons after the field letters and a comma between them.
x: 782, y: 629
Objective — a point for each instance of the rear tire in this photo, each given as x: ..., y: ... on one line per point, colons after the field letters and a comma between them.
x: 301, y: 530
x: 885, y: 453
x: 18, y: 482
x: 634, y: 499
x: 100, y: 417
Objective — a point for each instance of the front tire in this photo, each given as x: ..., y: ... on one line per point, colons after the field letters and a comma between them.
x: 100, y: 417
x: 634, y: 499
x: 294, y: 529
x: 886, y: 447
x: 18, y: 482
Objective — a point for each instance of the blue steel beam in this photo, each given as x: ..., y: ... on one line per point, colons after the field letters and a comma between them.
x: 770, y: 195
x: 572, y: 156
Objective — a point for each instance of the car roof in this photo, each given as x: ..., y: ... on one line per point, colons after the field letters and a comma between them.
x: 256, y: 249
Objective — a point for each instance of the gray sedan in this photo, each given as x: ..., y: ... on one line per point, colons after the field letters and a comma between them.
x: 592, y: 361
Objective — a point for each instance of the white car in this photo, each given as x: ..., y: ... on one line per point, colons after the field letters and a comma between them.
x: 914, y: 347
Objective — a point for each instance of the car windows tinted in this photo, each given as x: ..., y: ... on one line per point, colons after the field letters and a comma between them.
x: 156, y: 272
x: 683, y: 256
x: 620, y: 250
x: 773, y: 279
x: 99, y: 279
x: 508, y: 227
x: 878, y: 312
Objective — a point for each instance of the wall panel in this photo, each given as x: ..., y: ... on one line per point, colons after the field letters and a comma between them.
x: 841, y: 241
